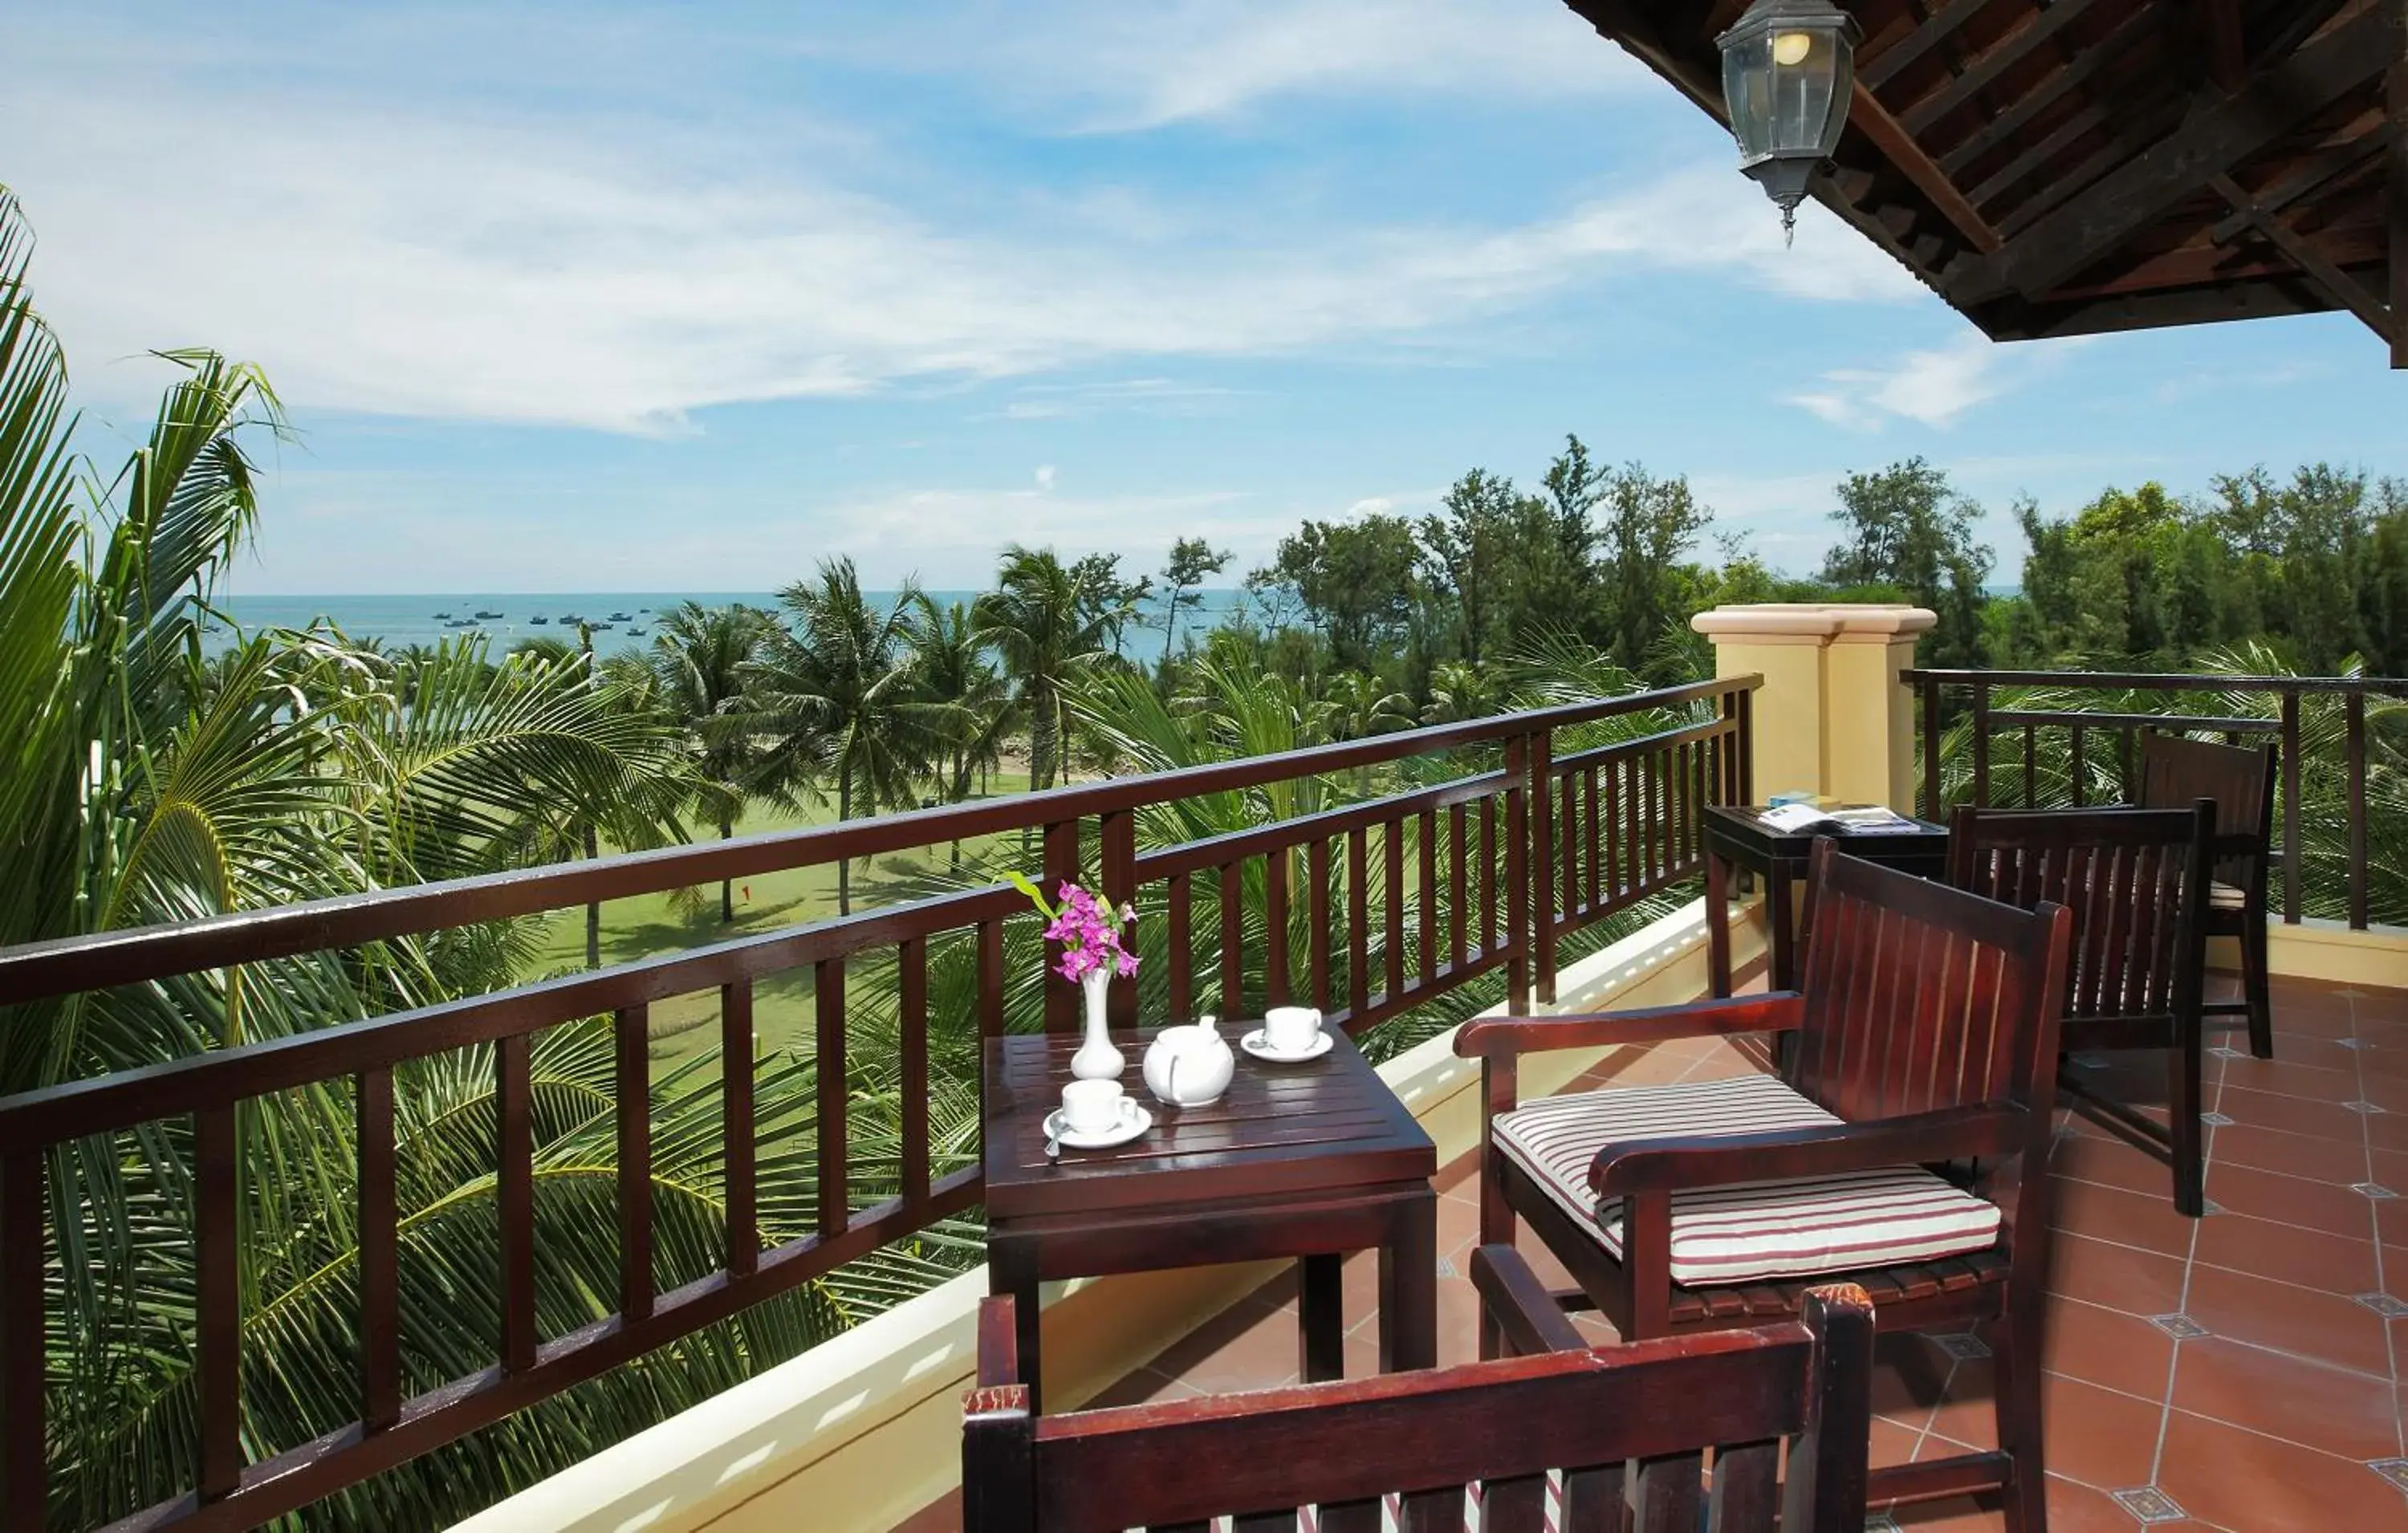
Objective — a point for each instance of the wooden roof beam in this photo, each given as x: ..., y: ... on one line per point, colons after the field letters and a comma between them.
x: 2309, y: 176
x: 1899, y: 148
x: 1938, y: 28
x: 2395, y: 188
x: 2003, y: 55
x: 2336, y: 284
x: 2141, y: 22
x: 2129, y: 198
x: 2228, y: 62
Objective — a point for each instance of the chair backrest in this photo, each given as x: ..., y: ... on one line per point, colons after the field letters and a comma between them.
x: 2177, y: 772
x: 1920, y: 997
x: 1431, y: 1437
x: 2135, y: 879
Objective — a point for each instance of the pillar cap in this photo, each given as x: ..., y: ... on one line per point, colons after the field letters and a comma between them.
x: 1813, y: 621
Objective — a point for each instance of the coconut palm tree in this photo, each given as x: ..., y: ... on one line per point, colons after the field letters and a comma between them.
x: 1049, y: 621
x: 143, y: 783
x: 840, y: 698
x: 700, y: 661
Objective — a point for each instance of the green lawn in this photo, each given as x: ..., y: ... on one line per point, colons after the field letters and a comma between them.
x: 650, y: 925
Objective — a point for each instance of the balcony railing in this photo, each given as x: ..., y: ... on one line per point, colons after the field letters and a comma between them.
x: 2058, y: 738
x: 1567, y: 816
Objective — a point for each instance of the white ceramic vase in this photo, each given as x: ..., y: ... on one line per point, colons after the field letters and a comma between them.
x: 1096, y: 1059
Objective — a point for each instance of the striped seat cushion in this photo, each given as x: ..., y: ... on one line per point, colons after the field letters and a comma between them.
x: 2225, y: 896
x: 1754, y: 1230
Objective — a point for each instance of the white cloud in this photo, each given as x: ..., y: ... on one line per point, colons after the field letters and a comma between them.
x: 454, y: 260
x: 1369, y: 506
x: 1045, y: 476
x: 1112, y: 67
x: 1931, y: 388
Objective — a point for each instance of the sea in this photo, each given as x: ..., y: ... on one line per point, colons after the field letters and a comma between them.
x: 622, y: 621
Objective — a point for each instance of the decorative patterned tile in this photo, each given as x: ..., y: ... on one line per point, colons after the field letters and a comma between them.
x: 2393, y: 1470
x: 2385, y: 1304
x: 2216, y: 1119
x: 1446, y: 1268
x: 2224, y: 1050
x: 2089, y: 1061
x: 1880, y: 1521
x: 2368, y: 1107
x: 2345, y: 1042
x: 2182, y: 1327
x: 2148, y: 1505
x: 2208, y: 1205
x: 2371, y: 1189
x: 1962, y: 1346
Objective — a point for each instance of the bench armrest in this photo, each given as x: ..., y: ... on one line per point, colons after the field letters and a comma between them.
x: 1495, y: 1036
x: 1688, y: 1162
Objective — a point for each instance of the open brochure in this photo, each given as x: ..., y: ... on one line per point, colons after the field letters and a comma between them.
x: 1801, y: 819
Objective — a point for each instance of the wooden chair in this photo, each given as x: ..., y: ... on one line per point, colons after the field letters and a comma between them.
x: 1924, y: 1033
x: 2176, y: 773
x: 1429, y: 1436
x: 2137, y: 883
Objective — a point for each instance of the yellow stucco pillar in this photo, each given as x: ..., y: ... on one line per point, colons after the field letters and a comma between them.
x: 1832, y: 718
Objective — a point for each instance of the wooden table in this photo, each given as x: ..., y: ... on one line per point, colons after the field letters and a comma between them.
x: 1736, y: 838
x: 1307, y: 1161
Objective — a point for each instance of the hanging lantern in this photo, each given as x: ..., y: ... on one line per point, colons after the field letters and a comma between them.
x: 1787, y: 74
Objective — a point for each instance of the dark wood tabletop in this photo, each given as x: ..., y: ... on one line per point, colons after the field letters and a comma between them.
x: 1325, y: 1124
x: 1737, y: 835
x: 1304, y: 1162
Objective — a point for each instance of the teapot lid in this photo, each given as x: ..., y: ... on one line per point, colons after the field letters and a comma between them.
x: 1204, y: 1025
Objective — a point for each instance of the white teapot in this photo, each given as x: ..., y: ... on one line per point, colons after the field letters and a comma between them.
x: 1188, y: 1066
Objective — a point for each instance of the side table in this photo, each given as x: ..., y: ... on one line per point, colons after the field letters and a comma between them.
x: 1307, y: 1161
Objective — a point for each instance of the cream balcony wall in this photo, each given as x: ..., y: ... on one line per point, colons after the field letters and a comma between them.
x: 858, y: 1434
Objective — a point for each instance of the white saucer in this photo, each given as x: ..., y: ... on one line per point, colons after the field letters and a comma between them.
x: 1253, y: 1043
x: 1134, y: 1120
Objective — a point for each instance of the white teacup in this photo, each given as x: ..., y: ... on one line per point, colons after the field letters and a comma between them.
x: 1291, y: 1029
x: 1091, y: 1107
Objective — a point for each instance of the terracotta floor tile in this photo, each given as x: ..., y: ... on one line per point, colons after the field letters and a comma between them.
x: 2329, y: 1075
x: 2324, y: 1326
x: 1893, y: 1443
x: 2242, y: 1481
x: 2110, y: 1163
x: 2137, y: 1282
x: 2390, y: 1227
x: 2386, y: 1130
x: 1907, y: 1376
x: 2387, y: 1092
x: 1968, y: 1412
x: 2097, y: 1435
x: 2349, y: 1413
x: 2389, y: 1168
x: 942, y: 1516
x: 2312, y: 1259
x: 2080, y: 1508
x: 2289, y: 1200
x: 2293, y: 1155
x: 1245, y: 1348
x: 2146, y: 1219
x: 2108, y: 1348
x: 2323, y: 1118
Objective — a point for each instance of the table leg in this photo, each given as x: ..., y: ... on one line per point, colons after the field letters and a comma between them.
x: 1322, y: 1307
x: 1011, y: 1268
x: 1718, y: 966
x: 1777, y: 918
x: 1408, y: 1287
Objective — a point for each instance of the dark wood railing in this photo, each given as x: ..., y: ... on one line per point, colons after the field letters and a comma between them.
x: 1980, y: 746
x: 1487, y: 870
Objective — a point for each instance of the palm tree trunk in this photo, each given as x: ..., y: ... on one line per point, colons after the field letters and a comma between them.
x: 727, y: 886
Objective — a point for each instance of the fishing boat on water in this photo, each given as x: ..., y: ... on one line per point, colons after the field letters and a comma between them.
x: 488, y: 616
x: 601, y: 627
x: 620, y: 617
x: 537, y: 621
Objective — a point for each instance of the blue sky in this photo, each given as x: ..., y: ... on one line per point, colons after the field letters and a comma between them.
x: 600, y: 296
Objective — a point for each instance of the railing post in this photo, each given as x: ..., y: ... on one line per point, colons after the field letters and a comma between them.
x: 2291, y: 808
x: 1541, y: 754
x: 2355, y: 715
x: 23, y: 1427
x: 1982, y: 745
x: 1931, y: 749
x: 1061, y: 867
x: 1118, y: 835
x: 1517, y: 875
